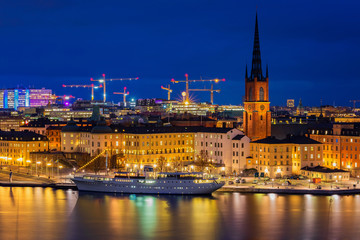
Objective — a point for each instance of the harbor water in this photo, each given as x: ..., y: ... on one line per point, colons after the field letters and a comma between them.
x: 46, y: 213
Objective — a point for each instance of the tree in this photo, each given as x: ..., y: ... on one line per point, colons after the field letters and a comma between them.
x: 249, y: 172
x: 177, y: 164
x: 98, y: 163
x: 202, y: 161
x: 161, y: 164
x: 120, y: 161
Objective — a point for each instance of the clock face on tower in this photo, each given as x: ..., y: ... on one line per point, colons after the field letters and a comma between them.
x: 262, y: 107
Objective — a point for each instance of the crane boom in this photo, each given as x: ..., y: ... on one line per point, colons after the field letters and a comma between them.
x: 104, y: 80
x: 187, y: 81
x: 354, y: 102
x: 84, y: 86
x: 124, y: 95
x: 169, y: 90
x: 207, y: 90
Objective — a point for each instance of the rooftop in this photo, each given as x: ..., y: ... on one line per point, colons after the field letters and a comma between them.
x: 322, y: 169
x: 21, y: 136
x: 292, y: 139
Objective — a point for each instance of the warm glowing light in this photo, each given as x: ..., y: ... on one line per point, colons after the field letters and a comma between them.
x: 183, y: 94
x: 28, y: 161
x: 266, y: 170
x: 168, y: 164
x: 279, y: 170
x: 155, y: 165
x: 186, y: 103
x: 60, y: 166
x: 49, y: 164
x: 192, y: 167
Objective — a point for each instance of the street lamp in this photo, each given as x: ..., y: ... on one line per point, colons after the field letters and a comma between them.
x: 49, y: 164
x: 59, y: 167
x: 309, y: 183
x: 36, y: 168
x: 272, y: 181
x: 29, y: 162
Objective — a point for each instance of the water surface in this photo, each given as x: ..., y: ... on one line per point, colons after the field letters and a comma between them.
x: 45, y: 213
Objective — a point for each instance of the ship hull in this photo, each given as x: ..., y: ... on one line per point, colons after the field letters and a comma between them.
x: 147, y: 187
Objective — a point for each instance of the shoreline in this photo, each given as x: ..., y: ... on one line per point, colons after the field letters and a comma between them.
x: 295, y: 191
x: 43, y: 185
x: 225, y: 189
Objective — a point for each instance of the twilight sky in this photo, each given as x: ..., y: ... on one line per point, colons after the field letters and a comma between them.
x: 312, y: 47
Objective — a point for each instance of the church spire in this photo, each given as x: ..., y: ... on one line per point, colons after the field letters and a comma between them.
x: 267, y: 71
x: 256, y: 70
x: 246, y: 73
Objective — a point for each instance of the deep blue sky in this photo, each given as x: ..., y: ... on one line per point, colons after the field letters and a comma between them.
x: 312, y: 47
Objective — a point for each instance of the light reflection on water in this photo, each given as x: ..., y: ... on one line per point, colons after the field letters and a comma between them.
x: 37, y: 213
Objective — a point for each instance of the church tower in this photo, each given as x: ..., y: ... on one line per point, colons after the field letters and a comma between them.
x: 257, y: 115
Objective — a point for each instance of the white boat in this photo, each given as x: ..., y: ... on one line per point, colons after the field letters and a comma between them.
x: 151, y: 183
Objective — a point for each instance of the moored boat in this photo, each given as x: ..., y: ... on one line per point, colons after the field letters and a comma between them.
x: 150, y: 183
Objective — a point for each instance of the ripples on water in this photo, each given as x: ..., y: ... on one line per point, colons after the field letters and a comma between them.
x: 44, y: 213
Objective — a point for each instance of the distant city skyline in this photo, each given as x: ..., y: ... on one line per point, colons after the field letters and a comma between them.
x: 312, y: 52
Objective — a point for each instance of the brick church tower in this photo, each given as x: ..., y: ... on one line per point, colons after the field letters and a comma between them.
x: 257, y: 115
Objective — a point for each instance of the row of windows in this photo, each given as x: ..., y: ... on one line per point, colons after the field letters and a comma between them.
x: 236, y: 145
x: 287, y: 149
x: 210, y: 144
x: 132, y: 136
x: 237, y: 154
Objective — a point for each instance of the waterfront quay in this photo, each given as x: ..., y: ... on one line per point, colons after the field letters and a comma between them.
x: 250, y: 185
x: 290, y: 186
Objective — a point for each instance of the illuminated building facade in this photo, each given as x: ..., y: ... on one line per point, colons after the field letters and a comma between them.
x: 278, y: 158
x: 15, y: 98
x: 146, y: 145
x: 290, y: 103
x: 341, y: 144
x: 15, y: 146
x: 223, y: 146
x: 40, y: 97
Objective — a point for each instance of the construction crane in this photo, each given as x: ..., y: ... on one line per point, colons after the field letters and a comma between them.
x: 211, y: 90
x: 66, y: 97
x: 104, y: 80
x: 92, y: 86
x: 124, y: 95
x: 187, y: 81
x: 354, y: 102
x: 169, y: 90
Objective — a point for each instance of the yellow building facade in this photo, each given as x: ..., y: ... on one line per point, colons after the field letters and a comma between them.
x: 15, y: 146
x: 278, y: 158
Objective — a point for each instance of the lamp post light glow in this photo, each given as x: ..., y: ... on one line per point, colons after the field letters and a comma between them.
x: 37, y: 163
x: 48, y: 165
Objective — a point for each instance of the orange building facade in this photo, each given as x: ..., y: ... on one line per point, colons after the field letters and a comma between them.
x: 341, y: 147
